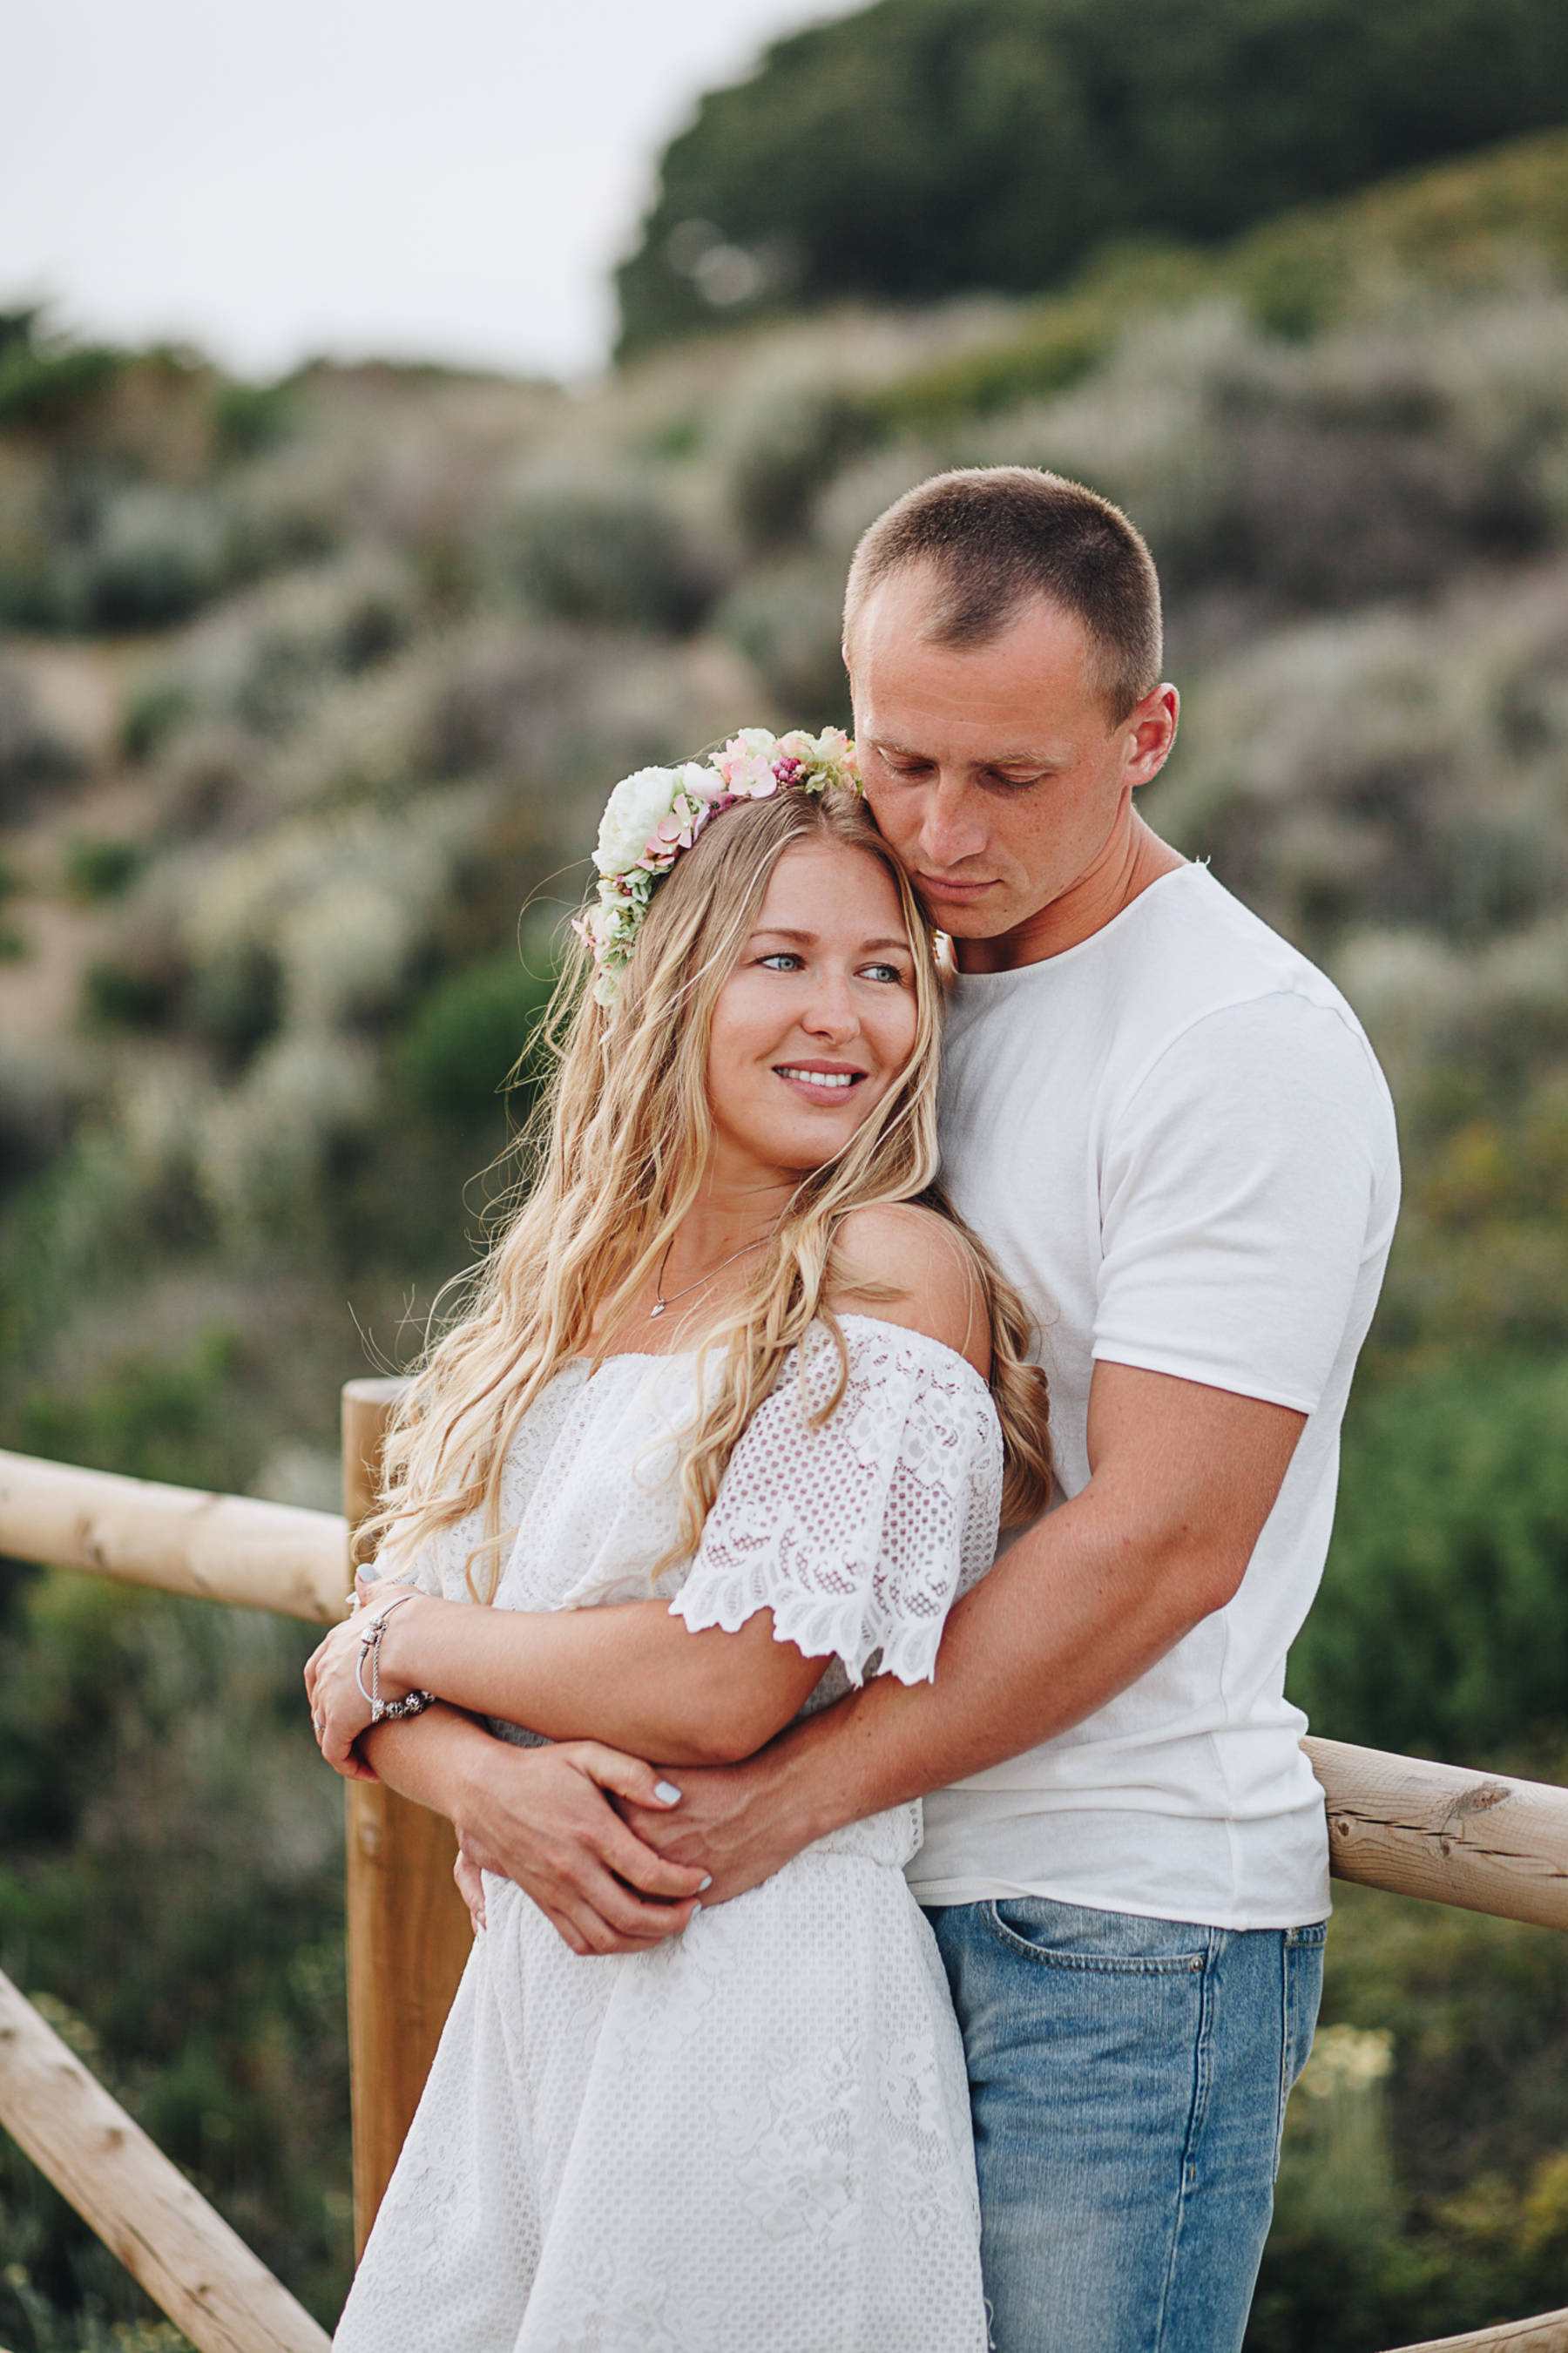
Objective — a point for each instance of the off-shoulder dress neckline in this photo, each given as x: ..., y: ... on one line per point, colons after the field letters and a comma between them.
x: 687, y: 1355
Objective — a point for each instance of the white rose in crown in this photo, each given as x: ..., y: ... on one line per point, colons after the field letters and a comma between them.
x: 632, y: 813
x: 655, y: 813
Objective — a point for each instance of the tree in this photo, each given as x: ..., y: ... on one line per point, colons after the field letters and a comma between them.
x: 925, y: 147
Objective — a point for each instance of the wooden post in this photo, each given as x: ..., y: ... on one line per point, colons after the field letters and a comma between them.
x: 143, y: 2208
x: 408, y: 1930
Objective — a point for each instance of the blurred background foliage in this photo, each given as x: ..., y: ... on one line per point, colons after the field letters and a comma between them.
x: 307, y: 690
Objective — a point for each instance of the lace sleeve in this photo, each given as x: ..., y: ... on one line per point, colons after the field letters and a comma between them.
x: 858, y: 1535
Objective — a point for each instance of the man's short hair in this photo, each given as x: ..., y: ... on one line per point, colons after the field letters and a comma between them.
x: 996, y: 536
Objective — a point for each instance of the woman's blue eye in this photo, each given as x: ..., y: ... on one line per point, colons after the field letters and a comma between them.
x: 781, y: 960
x: 884, y: 972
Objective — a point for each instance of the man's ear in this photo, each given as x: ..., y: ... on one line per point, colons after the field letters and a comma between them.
x: 1155, y: 723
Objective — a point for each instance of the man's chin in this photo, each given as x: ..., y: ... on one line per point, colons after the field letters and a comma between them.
x: 970, y: 919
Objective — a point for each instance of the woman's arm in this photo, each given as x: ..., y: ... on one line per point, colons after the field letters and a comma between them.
x: 632, y: 1675
x: 628, y: 1673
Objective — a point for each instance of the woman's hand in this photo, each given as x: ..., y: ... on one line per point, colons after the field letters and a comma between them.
x: 539, y: 1817
x: 339, y: 1709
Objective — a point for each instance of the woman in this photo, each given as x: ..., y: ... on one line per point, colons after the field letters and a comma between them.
x: 733, y: 1370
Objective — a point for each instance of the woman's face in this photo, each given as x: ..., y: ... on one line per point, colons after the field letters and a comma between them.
x: 817, y: 1020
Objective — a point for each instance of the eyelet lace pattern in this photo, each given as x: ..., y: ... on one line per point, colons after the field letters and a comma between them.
x: 757, y: 2134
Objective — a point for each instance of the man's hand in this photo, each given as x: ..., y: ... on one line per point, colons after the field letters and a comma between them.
x: 740, y: 1823
x: 544, y: 1818
x: 471, y: 1887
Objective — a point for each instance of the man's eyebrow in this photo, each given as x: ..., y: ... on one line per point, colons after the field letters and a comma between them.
x: 1028, y: 758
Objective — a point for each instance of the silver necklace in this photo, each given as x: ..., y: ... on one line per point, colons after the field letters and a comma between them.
x: 661, y: 1302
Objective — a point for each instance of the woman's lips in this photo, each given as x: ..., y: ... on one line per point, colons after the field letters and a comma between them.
x: 818, y: 1085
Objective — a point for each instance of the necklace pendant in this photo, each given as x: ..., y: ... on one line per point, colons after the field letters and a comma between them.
x: 657, y: 1309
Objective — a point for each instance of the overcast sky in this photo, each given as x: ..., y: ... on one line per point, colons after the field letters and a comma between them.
x: 448, y: 179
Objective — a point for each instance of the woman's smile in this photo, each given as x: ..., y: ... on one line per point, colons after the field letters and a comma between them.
x: 816, y: 1021
x: 833, y: 1080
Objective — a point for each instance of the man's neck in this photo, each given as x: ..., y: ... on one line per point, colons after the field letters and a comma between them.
x: 1132, y: 858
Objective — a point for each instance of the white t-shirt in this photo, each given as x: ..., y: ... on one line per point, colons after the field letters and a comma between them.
x: 1177, y: 1141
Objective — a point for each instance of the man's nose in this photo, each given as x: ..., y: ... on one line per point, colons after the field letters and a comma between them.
x: 950, y: 827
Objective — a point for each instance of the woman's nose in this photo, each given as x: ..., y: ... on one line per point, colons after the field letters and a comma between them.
x: 831, y: 1013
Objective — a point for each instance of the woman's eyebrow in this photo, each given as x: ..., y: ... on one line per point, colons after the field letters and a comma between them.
x: 808, y: 939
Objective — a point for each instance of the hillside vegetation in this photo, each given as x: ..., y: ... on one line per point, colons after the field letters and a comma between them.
x: 306, y: 691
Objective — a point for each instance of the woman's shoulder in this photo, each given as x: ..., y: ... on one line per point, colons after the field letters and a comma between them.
x: 906, y: 1265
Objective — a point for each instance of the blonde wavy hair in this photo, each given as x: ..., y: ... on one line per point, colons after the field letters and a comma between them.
x: 613, y: 1158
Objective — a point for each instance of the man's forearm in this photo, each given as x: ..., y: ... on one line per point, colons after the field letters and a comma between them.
x: 1084, y: 1603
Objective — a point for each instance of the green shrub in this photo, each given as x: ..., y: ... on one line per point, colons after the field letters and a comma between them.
x: 149, y: 1417
x: 98, y: 866
x: 33, y: 757
x: 235, y: 1001
x: 462, y: 1047
x: 785, y: 446
x: 44, y: 391
x: 119, y: 994
x: 788, y: 621
x: 156, y: 557
x: 35, y: 1117
x: 1434, y: 2197
x: 153, y: 711
x: 248, y: 418
x: 603, y: 553
x: 1442, y: 1625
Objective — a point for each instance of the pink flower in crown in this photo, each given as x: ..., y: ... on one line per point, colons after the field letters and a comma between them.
x: 835, y: 746
x: 746, y: 764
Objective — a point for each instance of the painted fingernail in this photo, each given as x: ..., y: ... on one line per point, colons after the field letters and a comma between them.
x: 704, y: 1883
x: 667, y: 1793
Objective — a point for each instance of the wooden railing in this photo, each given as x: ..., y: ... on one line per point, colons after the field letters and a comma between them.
x: 1486, y: 1841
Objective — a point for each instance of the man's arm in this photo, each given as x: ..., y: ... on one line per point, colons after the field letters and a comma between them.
x: 541, y: 1816
x: 1182, y: 1479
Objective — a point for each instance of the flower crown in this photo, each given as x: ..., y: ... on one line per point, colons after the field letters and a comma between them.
x: 653, y: 815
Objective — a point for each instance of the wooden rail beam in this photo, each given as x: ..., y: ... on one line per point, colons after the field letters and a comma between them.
x: 221, y: 1548
x: 143, y: 2208
x: 1484, y: 1842
x: 1547, y: 2334
x: 409, y: 1933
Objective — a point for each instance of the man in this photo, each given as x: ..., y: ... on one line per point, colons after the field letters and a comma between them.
x: 1171, y: 1131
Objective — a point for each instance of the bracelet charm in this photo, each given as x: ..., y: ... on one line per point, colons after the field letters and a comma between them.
x: 385, y: 1711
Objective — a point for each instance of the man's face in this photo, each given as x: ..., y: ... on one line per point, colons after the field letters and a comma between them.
x: 995, y: 771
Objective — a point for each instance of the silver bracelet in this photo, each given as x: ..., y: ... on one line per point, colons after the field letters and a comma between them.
x: 383, y: 1711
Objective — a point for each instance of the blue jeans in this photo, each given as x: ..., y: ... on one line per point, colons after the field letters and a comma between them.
x: 1129, y: 2079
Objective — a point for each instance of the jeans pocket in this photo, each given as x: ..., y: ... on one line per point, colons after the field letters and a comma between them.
x: 1074, y: 1936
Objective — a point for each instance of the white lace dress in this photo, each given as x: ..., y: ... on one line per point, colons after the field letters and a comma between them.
x: 755, y: 2137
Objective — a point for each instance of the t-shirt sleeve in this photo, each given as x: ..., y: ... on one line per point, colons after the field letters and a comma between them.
x: 860, y: 1533
x: 1245, y: 1183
